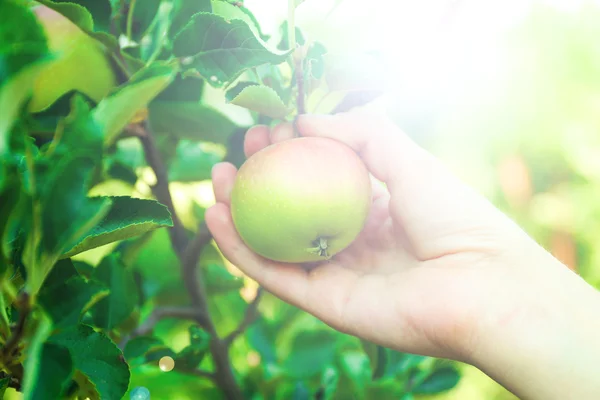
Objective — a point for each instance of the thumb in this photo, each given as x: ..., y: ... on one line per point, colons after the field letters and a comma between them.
x: 436, y: 210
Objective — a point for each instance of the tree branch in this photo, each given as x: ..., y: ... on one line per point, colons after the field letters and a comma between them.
x: 188, y: 257
x: 157, y: 315
x: 161, y: 188
x: 249, y: 317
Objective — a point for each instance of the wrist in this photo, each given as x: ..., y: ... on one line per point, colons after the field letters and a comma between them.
x: 546, y: 342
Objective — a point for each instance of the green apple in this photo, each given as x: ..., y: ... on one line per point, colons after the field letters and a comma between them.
x: 301, y: 200
x: 81, y: 62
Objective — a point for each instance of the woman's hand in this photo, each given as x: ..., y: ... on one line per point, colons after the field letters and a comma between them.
x: 437, y: 269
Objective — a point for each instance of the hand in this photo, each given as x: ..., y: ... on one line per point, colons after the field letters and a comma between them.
x: 437, y: 270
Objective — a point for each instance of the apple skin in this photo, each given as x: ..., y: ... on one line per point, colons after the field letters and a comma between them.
x: 81, y: 62
x: 301, y: 200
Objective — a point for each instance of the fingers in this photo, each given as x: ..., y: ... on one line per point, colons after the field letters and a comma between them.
x: 223, y: 179
x: 437, y: 211
x: 256, y: 139
x: 321, y: 292
x: 281, y: 132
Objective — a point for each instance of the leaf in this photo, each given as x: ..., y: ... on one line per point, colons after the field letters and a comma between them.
x: 97, y: 358
x: 263, y: 100
x: 355, y: 366
x: 192, y: 355
x: 181, y: 89
x: 377, y: 357
x: 23, y: 54
x: 311, y: 352
x: 439, y: 381
x: 144, y: 13
x: 65, y: 295
x: 218, y: 280
x: 183, y: 10
x: 230, y: 11
x: 315, y: 62
x: 192, y: 163
x: 116, y: 111
x: 64, y: 176
x: 100, y: 9
x: 76, y: 13
x: 33, y: 353
x: 301, y: 392
x: 137, y: 349
x: 123, y: 298
x: 329, y: 383
x: 4, y: 382
x: 54, y: 373
x: 221, y: 50
x: 234, y: 91
x: 190, y: 120
x: 128, y: 217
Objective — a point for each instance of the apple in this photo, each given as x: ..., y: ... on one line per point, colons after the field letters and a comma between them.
x: 81, y: 62
x: 301, y: 200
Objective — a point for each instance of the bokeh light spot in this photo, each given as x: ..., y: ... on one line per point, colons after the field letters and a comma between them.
x: 140, y: 393
x: 166, y: 364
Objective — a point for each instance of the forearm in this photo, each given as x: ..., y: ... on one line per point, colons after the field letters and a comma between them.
x: 548, y: 345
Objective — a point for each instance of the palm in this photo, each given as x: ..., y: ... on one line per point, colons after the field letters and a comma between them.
x: 401, y: 290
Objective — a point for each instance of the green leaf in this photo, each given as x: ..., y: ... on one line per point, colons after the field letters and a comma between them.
x: 234, y: 91
x: 329, y: 383
x: 315, y: 62
x: 55, y: 371
x: 263, y: 100
x: 230, y: 11
x: 301, y: 392
x: 355, y: 366
x: 65, y: 295
x: 144, y: 13
x: 97, y: 358
x: 193, y: 354
x: 128, y: 217
x: 33, y: 354
x: 439, y: 381
x: 123, y: 298
x: 76, y: 13
x: 143, y: 349
x: 192, y: 163
x: 23, y: 53
x: 63, y: 174
x: 116, y: 111
x: 221, y: 50
x: 100, y: 9
x: 311, y: 352
x: 183, y: 10
x: 218, y: 280
x: 3, y: 386
x: 181, y: 89
x: 377, y: 356
x: 190, y: 120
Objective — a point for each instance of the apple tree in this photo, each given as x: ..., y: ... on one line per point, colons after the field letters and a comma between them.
x: 113, y: 113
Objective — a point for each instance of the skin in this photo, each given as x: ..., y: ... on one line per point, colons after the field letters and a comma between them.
x: 301, y: 200
x: 437, y: 270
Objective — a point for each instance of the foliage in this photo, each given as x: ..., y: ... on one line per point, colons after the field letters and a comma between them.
x: 101, y: 209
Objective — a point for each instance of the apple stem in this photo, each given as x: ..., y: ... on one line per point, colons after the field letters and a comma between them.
x: 320, y: 248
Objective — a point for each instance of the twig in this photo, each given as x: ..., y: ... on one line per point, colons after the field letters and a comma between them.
x: 158, y: 315
x: 197, y: 372
x: 188, y: 256
x: 249, y: 317
x: 297, y: 58
x: 161, y: 189
x: 12, y: 343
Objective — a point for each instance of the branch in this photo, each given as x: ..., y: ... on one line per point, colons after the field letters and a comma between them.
x: 158, y: 315
x: 197, y: 372
x: 161, y: 189
x: 188, y: 257
x: 24, y: 307
x: 249, y: 317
